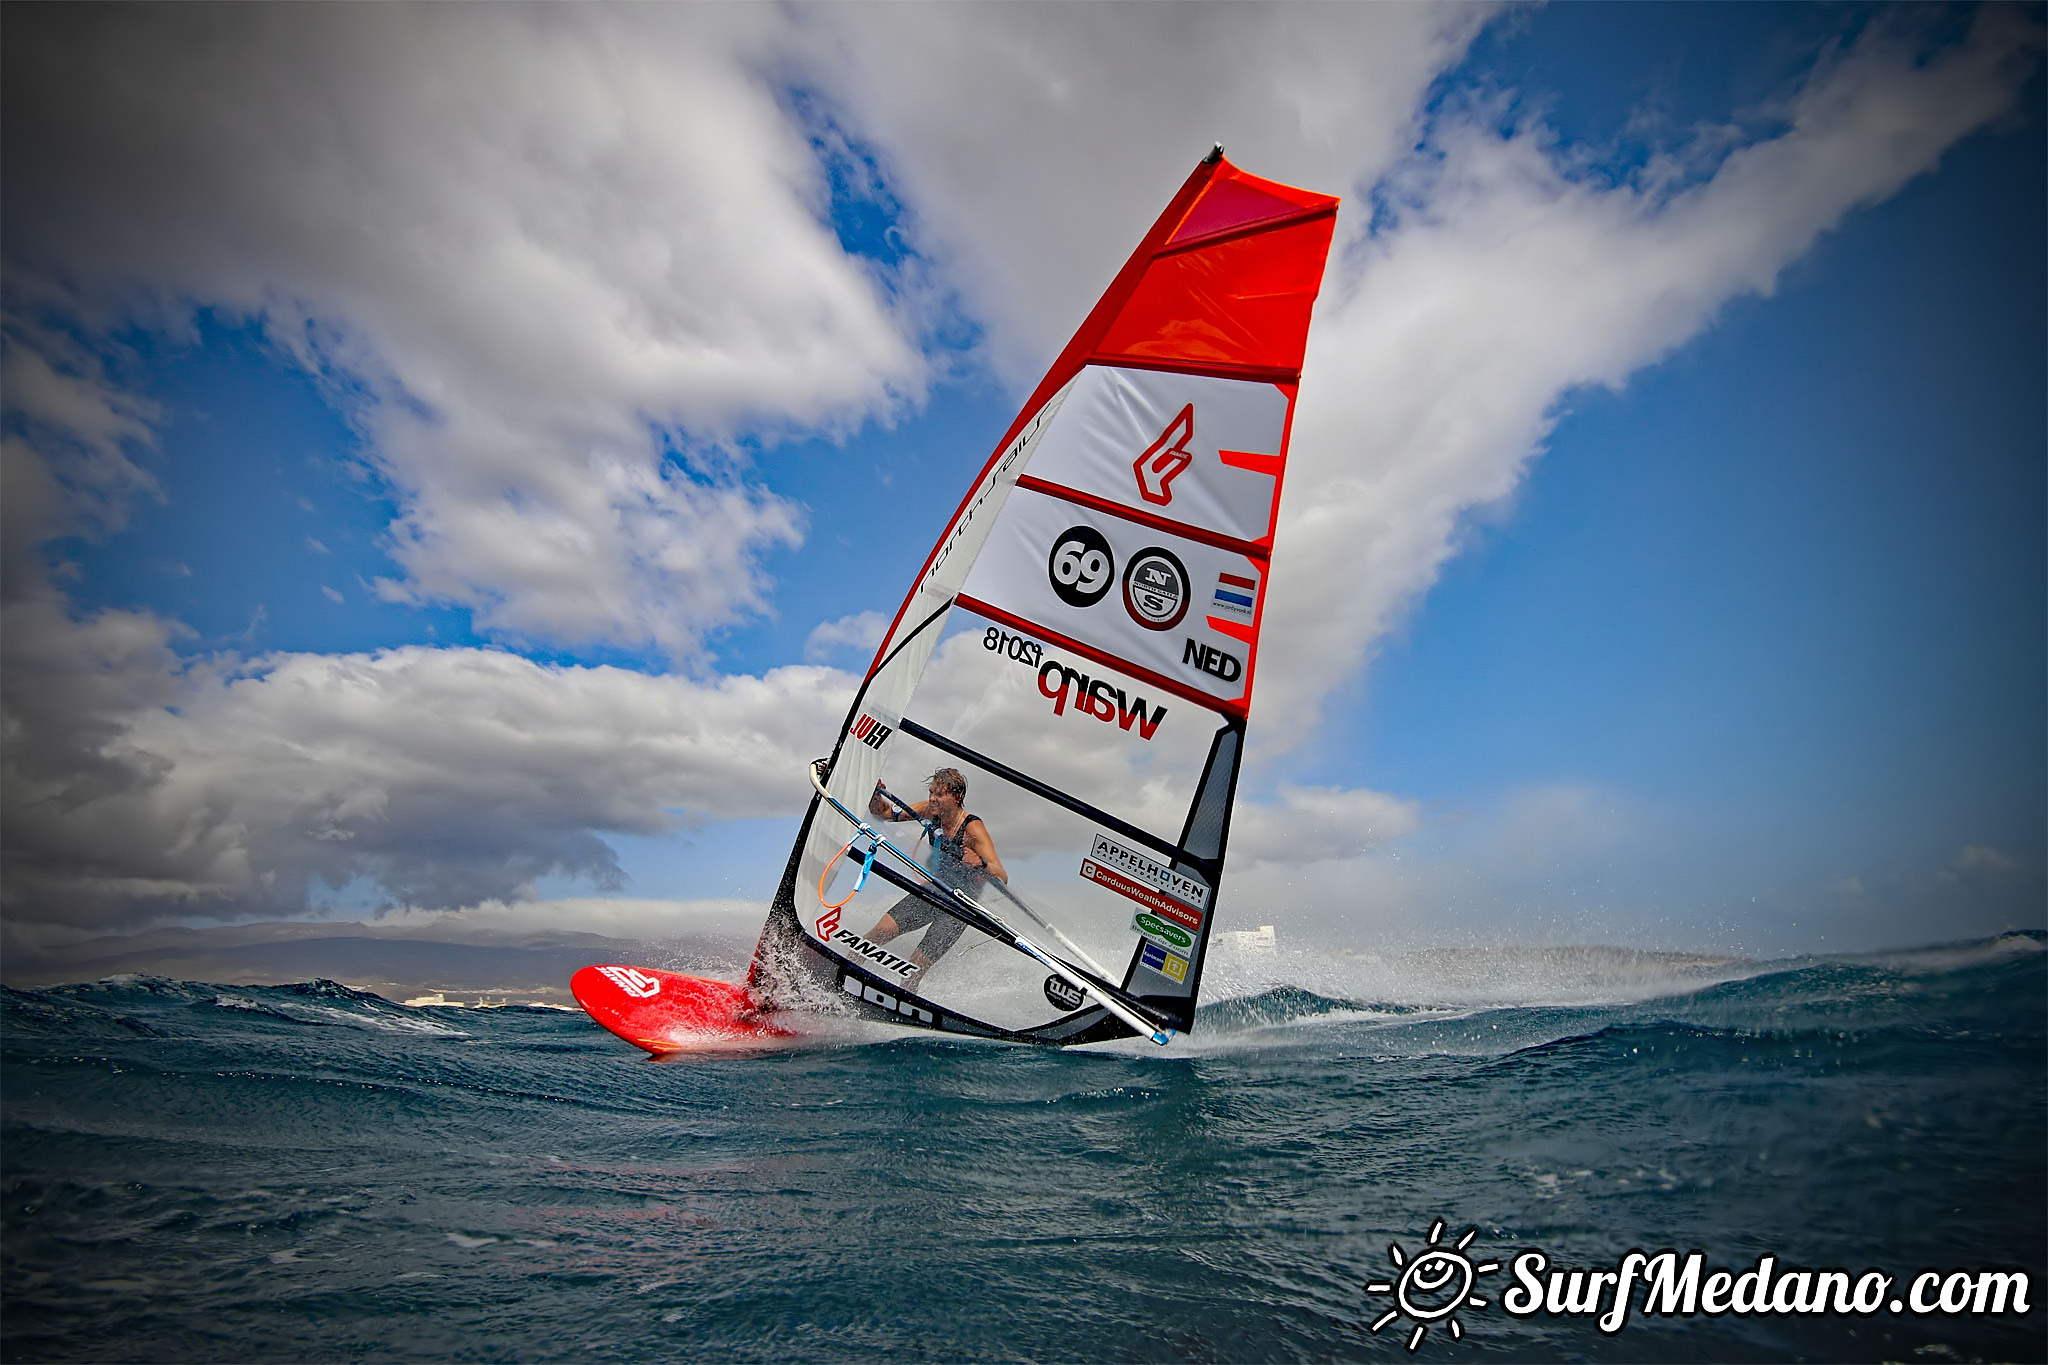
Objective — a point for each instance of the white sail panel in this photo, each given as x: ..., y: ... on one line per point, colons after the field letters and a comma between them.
x: 1192, y: 449
x: 1137, y: 596
x: 877, y: 719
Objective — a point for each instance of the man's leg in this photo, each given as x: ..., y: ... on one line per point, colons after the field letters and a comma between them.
x: 937, y: 942
x: 900, y: 918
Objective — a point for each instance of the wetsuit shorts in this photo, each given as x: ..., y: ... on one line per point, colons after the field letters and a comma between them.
x: 915, y: 912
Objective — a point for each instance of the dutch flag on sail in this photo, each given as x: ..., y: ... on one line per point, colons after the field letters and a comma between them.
x: 1235, y: 595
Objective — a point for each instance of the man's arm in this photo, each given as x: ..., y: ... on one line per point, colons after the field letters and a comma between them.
x: 882, y: 808
x: 985, y: 848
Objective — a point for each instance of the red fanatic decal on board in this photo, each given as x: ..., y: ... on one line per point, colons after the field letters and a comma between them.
x: 1165, y: 458
x: 633, y: 981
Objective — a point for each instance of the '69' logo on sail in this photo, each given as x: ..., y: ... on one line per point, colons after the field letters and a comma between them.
x: 1081, y: 566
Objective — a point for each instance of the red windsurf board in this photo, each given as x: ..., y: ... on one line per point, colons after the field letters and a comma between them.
x: 668, y: 1012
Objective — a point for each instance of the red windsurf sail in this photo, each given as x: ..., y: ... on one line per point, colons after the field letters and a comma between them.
x: 1081, y: 645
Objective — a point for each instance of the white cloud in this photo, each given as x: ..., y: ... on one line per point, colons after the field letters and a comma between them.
x: 550, y: 257
x: 67, y: 464
x: 1036, y: 143
x: 862, y: 632
x: 450, y: 777
x: 1543, y: 863
x: 1306, y: 825
x: 1444, y: 344
x: 137, y: 785
x: 1978, y: 859
x: 616, y: 917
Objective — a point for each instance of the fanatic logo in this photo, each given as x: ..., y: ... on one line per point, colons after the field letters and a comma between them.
x: 633, y: 981
x: 1165, y: 458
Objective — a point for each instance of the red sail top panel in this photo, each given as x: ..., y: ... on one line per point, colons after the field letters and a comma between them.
x: 1226, y: 222
x: 1222, y: 284
x: 1241, y: 301
x: 1233, y: 201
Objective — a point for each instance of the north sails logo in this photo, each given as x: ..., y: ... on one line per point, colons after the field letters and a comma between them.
x: 1165, y: 459
x: 632, y: 981
x: 997, y: 478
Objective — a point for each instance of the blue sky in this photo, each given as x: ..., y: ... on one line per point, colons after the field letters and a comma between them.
x: 411, y: 524
x: 1788, y: 582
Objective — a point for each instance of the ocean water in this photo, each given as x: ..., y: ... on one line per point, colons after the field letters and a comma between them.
x: 304, y: 1172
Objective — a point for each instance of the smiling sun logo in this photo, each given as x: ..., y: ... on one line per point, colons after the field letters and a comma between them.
x: 1433, y: 1286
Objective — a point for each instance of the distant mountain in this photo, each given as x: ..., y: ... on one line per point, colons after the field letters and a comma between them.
x: 397, y: 963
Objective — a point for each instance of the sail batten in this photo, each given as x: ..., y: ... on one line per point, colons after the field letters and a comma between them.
x: 1252, y: 374
x: 1100, y: 656
x: 1251, y: 549
x: 1084, y: 635
x: 1182, y: 244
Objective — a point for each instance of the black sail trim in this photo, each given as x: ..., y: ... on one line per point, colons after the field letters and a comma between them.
x: 904, y: 643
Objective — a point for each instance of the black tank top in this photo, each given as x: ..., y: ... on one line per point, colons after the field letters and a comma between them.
x: 949, y: 863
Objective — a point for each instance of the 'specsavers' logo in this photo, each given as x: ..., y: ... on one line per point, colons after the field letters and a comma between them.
x: 1165, y: 459
x: 632, y: 981
x: 1171, y: 934
x: 1433, y: 1286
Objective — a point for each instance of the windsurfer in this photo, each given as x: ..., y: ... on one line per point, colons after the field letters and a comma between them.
x: 963, y: 856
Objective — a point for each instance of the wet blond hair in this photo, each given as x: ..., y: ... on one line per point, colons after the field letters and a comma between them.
x: 951, y: 780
